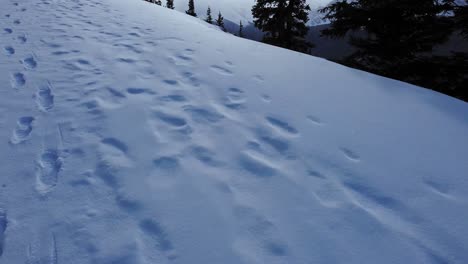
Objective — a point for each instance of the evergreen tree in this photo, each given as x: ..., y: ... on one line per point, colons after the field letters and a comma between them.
x: 395, y: 38
x: 170, y: 4
x: 191, y: 9
x: 158, y: 2
x: 461, y: 18
x: 284, y: 22
x: 209, y: 18
x: 220, y: 22
x: 241, y: 29
x: 393, y: 31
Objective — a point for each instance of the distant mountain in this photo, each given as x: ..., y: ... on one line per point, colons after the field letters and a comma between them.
x: 240, y: 10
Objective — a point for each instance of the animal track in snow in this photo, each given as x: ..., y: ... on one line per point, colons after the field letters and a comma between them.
x: 203, y: 115
x: 315, y: 174
x: 45, y: 98
x: 278, y: 144
x: 281, y: 125
x: 9, y: 50
x: 172, y: 120
x: 17, y: 22
x: 167, y: 163
x: 171, y: 82
x: 256, y: 165
x: 114, y: 152
x: 439, y: 187
x: 266, y: 98
x: 29, y: 62
x: 375, y: 196
x: 48, y: 168
x: 130, y: 47
x: 221, y: 70
x: 135, y: 91
x: 115, y: 143
x: 158, y: 236
x: 351, y: 155
x: 126, y: 60
x: 128, y: 204
x: 23, y: 129
x: 257, y: 231
x: 205, y: 156
x: 8, y: 30
x: 173, y: 98
x: 259, y: 78
x: 235, y: 98
x: 22, y: 39
x: 315, y: 120
x: 18, y: 79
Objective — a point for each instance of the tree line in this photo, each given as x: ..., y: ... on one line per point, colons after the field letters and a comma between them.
x: 393, y: 38
x: 191, y: 11
x: 397, y: 39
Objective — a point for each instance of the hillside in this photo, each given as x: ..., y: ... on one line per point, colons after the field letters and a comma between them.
x: 134, y: 134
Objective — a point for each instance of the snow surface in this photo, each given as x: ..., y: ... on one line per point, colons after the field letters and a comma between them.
x: 241, y: 10
x: 130, y: 133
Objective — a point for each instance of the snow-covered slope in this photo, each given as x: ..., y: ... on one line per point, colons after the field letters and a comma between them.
x: 241, y: 10
x: 130, y: 133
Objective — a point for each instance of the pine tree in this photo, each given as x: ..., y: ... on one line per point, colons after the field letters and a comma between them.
x: 170, y: 4
x: 241, y: 29
x: 394, y: 30
x: 158, y: 2
x: 395, y: 38
x: 284, y: 22
x: 461, y: 18
x: 191, y: 9
x: 209, y: 18
x: 220, y: 22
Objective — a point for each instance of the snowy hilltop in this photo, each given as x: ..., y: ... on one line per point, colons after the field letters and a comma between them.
x: 135, y: 134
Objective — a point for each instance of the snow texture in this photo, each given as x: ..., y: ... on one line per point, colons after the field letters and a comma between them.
x: 130, y: 133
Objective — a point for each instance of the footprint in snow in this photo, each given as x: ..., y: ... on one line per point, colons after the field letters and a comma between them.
x: 256, y: 165
x: 9, y: 50
x: 158, y: 237
x: 221, y: 70
x: 18, y: 79
x: 266, y: 98
x: 260, y: 231
x: 351, y: 155
x: 203, y: 115
x: 170, y: 119
x: 45, y: 98
x: 48, y: 168
x: 281, y: 126
x: 258, y: 78
x: 235, y: 98
x: 23, y: 129
x: 22, y: 39
x: 29, y: 63
x: 315, y: 120
x: 8, y: 30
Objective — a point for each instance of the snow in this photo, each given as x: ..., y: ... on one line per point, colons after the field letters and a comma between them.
x: 241, y: 10
x: 130, y: 133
